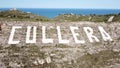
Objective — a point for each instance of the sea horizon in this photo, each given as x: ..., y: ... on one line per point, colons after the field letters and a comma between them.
x: 53, y: 12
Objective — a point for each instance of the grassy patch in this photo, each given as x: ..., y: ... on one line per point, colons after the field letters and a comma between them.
x: 97, y: 60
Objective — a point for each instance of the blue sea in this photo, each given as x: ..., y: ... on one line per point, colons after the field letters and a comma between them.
x: 51, y: 13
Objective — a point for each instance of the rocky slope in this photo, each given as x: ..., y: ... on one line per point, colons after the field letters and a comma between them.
x: 89, y: 55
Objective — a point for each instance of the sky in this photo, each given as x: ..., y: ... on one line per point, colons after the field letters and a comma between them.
x: 97, y: 4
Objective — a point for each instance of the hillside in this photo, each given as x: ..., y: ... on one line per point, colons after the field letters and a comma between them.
x: 19, y: 15
x: 91, y: 18
x: 103, y: 54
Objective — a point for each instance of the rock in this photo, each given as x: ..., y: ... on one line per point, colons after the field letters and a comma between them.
x: 14, y: 65
x: 110, y: 19
x: 48, y: 59
x: 116, y: 50
x: 35, y: 62
x: 52, y: 54
x: 40, y: 61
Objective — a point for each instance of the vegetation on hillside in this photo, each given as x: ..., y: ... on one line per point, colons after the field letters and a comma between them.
x: 92, y: 17
x: 19, y: 15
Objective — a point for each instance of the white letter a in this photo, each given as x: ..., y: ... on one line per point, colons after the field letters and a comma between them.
x: 104, y: 34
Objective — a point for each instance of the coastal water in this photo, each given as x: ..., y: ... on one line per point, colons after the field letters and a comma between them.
x: 51, y: 13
